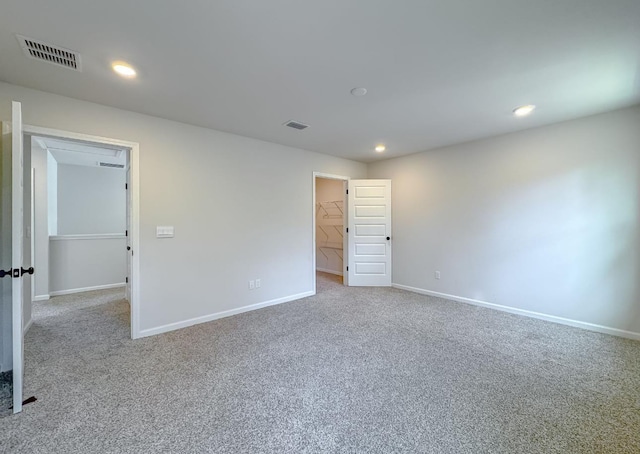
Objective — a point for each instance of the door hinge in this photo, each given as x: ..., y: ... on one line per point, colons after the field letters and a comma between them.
x: 126, y: 233
x: 347, y: 192
x: 126, y: 186
x: 16, y: 272
x: 126, y: 280
x: 347, y: 268
x: 347, y: 229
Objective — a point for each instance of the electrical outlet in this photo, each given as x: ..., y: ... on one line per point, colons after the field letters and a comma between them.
x: 437, y: 274
x: 252, y: 285
x: 258, y: 283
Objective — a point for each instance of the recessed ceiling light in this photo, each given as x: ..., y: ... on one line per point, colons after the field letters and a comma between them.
x: 359, y: 91
x: 380, y: 148
x: 124, y: 69
x: 523, y: 111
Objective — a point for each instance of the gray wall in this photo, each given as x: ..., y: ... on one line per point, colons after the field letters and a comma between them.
x: 237, y: 215
x: 91, y: 200
x: 546, y: 220
x: 86, y: 263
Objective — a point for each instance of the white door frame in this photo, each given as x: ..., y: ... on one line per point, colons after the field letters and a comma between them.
x: 32, y: 238
x: 345, y: 239
x: 134, y: 199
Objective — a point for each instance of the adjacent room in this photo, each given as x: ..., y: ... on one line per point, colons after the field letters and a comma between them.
x: 285, y: 227
x: 79, y: 239
x: 79, y: 228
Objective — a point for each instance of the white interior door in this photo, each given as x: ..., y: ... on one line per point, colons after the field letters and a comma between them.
x: 12, y: 243
x: 6, y: 259
x: 17, y: 233
x: 369, y: 262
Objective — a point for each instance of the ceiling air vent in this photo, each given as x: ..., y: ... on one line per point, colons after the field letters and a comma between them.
x: 111, y: 164
x: 51, y: 54
x: 296, y: 125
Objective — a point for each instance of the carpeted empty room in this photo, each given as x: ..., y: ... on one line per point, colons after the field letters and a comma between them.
x: 348, y: 370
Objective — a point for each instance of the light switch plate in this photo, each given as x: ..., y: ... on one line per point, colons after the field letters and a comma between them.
x: 164, y: 231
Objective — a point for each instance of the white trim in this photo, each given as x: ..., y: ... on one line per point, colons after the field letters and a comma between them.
x: 134, y: 238
x: 223, y: 314
x: 41, y: 297
x: 86, y: 289
x: 330, y: 176
x: 526, y: 313
x: 92, y: 236
x: 345, y: 240
x: 60, y: 134
x: 32, y: 226
x: 326, y: 270
x: 27, y: 326
x: 134, y: 227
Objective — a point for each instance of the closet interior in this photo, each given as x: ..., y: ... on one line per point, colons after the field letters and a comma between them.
x: 330, y: 229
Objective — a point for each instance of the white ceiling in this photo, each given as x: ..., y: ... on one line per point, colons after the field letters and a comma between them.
x: 438, y: 72
x: 79, y: 153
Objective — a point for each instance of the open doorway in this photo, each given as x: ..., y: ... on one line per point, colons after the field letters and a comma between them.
x: 330, y: 237
x: 77, y: 239
x: 87, y: 187
x: 79, y: 220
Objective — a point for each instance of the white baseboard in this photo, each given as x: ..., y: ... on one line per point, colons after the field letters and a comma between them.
x: 27, y: 326
x: 219, y: 315
x: 86, y: 289
x: 41, y: 297
x: 326, y: 270
x: 526, y: 313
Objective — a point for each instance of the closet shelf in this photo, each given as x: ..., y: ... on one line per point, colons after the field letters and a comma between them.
x: 330, y: 246
x: 332, y: 221
x: 330, y: 210
x: 336, y: 250
x: 330, y: 231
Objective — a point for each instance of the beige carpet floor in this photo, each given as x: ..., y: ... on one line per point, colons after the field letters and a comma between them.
x: 353, y: 370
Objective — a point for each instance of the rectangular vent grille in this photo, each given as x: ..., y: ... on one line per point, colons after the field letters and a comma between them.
x: 296, y: 125
x: 49, y: 53
x: 110, y: 164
